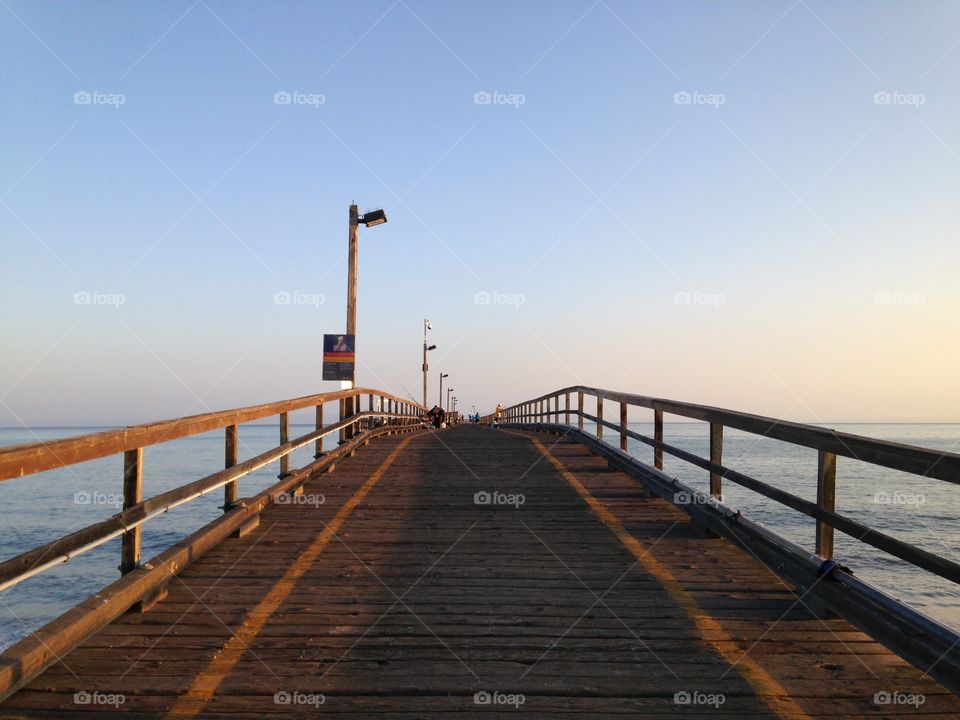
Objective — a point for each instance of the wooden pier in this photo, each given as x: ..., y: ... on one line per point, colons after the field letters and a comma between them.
x: 471, y: 571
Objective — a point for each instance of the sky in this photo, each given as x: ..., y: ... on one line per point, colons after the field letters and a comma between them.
x: 743, y: 204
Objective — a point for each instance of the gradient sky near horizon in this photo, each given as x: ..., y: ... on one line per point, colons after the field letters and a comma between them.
x: 746, y: 204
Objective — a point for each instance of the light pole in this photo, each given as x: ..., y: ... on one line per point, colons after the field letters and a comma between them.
x: 426, y: 349
x: 370, y: 219
x: 442, y: 376
x: 449, y: 390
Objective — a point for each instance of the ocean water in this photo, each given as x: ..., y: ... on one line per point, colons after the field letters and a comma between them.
x: 42, y: 507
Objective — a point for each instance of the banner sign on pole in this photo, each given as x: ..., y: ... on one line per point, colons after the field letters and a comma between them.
x: 339, y: 356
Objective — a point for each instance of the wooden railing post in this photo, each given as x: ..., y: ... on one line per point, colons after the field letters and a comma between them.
x: 826, y: 499
x: 567, y: 408
x: 229, y: 460
x: 623, y: 426
x: 284, y: 438
x: 716, y: 457
x: 599, y: 417
x: 580, y: 410
x: 318, y: 446
x: 658, y: 436
x: 132, y: 494
x: 343, y: 431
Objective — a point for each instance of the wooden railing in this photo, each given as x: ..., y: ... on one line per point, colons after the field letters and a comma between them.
x: 828, y: 443
x: 385, y: 411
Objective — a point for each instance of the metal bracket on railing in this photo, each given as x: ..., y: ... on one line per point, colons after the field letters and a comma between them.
x: 827, y: 568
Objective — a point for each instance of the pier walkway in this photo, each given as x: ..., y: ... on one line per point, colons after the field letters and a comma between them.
x: 473, y: 572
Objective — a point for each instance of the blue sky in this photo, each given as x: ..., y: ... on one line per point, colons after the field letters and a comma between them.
x: 749, y: 204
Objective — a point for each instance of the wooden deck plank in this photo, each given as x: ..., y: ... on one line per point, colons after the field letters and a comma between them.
x: 422, y: 597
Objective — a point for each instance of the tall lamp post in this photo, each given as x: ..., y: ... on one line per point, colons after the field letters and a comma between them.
x: 426, y: 349
x: 449, y: 390
x: 442, y: 376
x: 370, y: 219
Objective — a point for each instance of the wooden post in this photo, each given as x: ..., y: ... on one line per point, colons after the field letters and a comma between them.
x: 284, y: 438
x: 826, y: 498
x: 132, y: 494
x: 318, y: 445
x: 599, y: 417
x: 580, y: 410
x: 343, y: 432
x: 658, y: 436
x: 716, y: 457
x: 623, y: 426
x: 567, y: 408
x: 351, y: 405
x: 229, y: 460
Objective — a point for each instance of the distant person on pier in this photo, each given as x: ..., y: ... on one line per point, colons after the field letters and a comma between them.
x: 436, y: 416
x: 497, y: 414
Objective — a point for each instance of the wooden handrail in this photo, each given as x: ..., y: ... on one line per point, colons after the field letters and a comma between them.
x: 19, y: 460
x: 937, y: 464
x: 913, y: 459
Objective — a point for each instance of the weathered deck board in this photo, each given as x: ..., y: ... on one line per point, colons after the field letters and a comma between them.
x: 422, y: 598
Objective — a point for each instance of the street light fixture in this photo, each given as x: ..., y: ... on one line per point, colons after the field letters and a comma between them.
x: 376, y: 217
x: 442, y: 376
x: 449, y: 390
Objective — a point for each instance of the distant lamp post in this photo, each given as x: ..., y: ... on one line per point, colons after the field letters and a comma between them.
x: 376, y: 217
x: 449, y: 390
x: 426, y: 349
x: 442, y: 376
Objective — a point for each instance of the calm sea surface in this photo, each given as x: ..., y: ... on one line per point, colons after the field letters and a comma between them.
x: 42, y: 507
